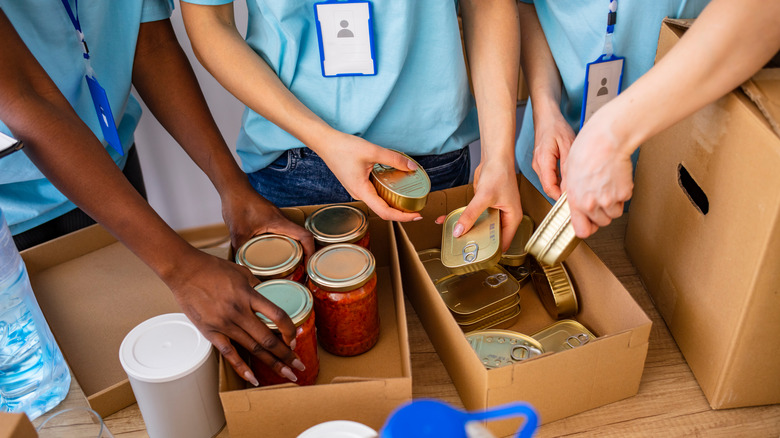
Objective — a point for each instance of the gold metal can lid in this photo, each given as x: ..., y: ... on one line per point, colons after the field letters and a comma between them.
x: 480, y: 293
x: 337, y: 223
x: 554, y: 239
x: 270, y: 255
x: 515, y: 255
x: 488, y: 320
x: 521, y: 273
x: 555, y: 289
x: 478, y: 249
x: 341, y: 268
x: 405, y: 191
x: 498, y: 348
x: 563, y: 335
x: 431, y: 260
x: 290, y: 296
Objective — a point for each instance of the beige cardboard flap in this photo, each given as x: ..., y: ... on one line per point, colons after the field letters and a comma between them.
x: 764, y: 90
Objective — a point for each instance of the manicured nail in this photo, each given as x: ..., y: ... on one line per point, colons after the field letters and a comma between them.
x: 299, y: 365
x: 418, y: 218
x: 293, y: 344
x: 411, y: 165
x: 251, y: 378
x: 458, y: 230
x: 287, y: 372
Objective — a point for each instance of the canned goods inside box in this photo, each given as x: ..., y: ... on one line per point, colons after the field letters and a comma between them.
x: 498, y: 348
x: 479, y: 293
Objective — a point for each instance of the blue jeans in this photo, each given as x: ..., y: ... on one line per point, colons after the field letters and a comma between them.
x: 300, y: 177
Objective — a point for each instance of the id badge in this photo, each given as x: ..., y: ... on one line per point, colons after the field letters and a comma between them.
x: 345, y: 36
x: 104, y: 115
x: 603, y: 79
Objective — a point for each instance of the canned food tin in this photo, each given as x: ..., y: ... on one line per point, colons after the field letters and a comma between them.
x: 521, y: 273
x: 554, y: 239
x: 298, y: 303
x: 431, y: 260
x: 405, y: 191
x: 338, y: 223
x: 478, y: 249
x: 477, y: 294
x: 555, y: 289
x: 515, y: 255
x: 272, y: 256
x: 342, y: 279
x: 563, y: 335
x: 501, y: 318
x: 498, y: 348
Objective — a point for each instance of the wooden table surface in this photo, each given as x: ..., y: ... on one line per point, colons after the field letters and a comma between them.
x: 669, y: 402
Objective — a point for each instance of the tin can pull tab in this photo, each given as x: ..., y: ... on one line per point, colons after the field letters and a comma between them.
x: 520, y: 352
x: 496, y: 280
x: 470, y: 252
x: 579, y: 340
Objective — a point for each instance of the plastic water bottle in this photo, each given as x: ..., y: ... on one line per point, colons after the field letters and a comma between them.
x: 33, y: 375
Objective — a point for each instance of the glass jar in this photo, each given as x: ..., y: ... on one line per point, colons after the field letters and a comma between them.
x: 272, y: 257
x: 339, y: 223
x: 297, y: 302
x: 342, y: 279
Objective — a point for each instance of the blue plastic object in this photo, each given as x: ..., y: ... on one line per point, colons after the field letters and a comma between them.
x: 426, y: 418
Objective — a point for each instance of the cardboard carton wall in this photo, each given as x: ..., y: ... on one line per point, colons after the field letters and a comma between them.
x: 704, y: 234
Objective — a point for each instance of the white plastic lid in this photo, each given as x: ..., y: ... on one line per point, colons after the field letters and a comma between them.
x: 164, y: 348
x: 339, y: 429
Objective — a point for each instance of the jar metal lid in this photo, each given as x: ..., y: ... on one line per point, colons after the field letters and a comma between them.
x: 478, y: 249
x: 270, y: 255
x: 515, y: 255
x: 341, y: 268
x: 292, y: 297
x: 337, y: 223
x: 555, y: 289
x: 479, y: 293
x: 554, y: 239
x: 563, y: 335
x: 405, y: 191
x: 498, y: 348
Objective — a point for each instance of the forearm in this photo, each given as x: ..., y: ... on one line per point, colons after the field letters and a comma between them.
x: 226, y: 55
x: 728, y: 43
x: 492, y: 36
x: 539, y: 68
x: 165, y: 81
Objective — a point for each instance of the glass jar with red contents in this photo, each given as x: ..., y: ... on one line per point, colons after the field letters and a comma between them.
x: 298, y: 303
x: 273, y: 256
x: 342, y: 279
x: 339, y: 223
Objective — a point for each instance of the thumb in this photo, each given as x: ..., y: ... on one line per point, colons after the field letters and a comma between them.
x: 396, y: 160
x: 469, y: 216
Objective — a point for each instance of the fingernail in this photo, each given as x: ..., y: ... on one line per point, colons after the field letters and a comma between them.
x: 418, y: 218
x: 287, y: 372
x: 293, y: 344
x: 299, y: 365
x: 251, y: 378
x: 411, y: 165
x: 458, y: 230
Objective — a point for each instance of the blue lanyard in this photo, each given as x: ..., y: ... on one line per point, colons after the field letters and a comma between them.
x: 611, y: 21
x: 74, y: 18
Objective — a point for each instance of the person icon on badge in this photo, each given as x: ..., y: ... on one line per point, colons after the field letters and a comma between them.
x: 603, y: 90
x: 345, y: 33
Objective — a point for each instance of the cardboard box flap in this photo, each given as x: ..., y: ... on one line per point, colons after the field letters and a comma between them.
x: 764, y: 90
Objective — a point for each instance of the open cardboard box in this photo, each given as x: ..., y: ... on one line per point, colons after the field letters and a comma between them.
x: 556, y: 384
x: 16, y: 426
x: 93, y: 291
x: 704, y: 234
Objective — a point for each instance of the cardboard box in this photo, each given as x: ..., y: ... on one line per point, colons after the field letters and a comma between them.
x: 556, y: 384
x: 704, y: 234
x: 93, y: 291
x: 16, y: 426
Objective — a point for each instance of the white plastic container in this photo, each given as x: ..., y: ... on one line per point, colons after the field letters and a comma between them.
x: 172, y: 369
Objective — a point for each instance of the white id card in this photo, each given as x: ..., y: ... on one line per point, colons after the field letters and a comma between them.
x: 603, y: 79
x: 344, y: 32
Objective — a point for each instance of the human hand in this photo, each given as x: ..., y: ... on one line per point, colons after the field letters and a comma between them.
x: 495, y: 185
x: 553, y: 138
x: 218, y: 297
x: 351, y: 159
x: 247, y: 214
x: 597, y: 177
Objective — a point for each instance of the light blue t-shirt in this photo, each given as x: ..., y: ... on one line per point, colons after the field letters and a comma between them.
x: 419, y: 101
x: 575, y: 31
x: 110, y: 29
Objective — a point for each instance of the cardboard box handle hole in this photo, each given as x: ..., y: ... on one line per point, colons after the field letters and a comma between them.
x: 692, y: 190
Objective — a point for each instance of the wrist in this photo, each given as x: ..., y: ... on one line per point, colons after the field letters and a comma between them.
x: 616, y: 123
